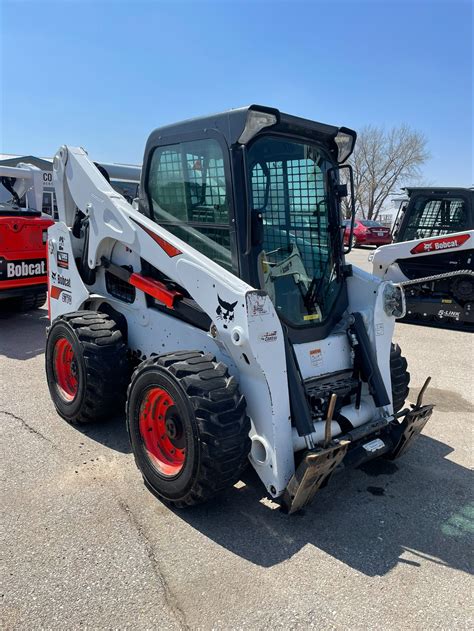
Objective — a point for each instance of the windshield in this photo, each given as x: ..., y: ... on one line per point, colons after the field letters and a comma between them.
x: 297, y: 265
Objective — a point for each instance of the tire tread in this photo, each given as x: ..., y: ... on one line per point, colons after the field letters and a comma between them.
x: 220, y: 414
x: 400, y: 377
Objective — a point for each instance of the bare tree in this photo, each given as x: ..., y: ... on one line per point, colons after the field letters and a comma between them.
x: 382, y: 161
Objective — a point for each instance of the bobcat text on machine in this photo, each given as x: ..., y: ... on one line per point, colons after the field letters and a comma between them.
x: 432, y: 257
x: 23, y: 234
x: 228, y: 295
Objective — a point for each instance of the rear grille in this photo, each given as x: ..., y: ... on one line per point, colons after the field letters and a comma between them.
x: 119, y: 288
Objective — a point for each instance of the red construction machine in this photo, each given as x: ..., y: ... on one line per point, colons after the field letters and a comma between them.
x: 23, y: 238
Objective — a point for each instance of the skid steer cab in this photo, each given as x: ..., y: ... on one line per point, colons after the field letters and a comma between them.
x: 432, y: 257
x: 223, y: 313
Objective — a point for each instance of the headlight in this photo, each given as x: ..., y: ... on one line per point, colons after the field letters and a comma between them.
x: 255, y: 122
x: 345, y: 141
x: 394, y: 300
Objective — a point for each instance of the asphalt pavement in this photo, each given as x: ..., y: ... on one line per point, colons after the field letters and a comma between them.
x: 83, y: 544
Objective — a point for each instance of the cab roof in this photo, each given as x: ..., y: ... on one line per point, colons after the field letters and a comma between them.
x: 438, y: 189
x: 231, y: 125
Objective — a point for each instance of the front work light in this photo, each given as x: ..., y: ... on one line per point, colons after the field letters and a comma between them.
x: 255, y: 122
x: 394, y: 300
x: 345, y: 142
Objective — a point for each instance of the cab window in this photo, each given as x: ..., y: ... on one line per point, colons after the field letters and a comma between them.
x: 435, y: 216
x: 188, y: 193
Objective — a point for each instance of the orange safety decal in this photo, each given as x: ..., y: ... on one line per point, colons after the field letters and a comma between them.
x: 167, y: 247
x: 55, y: 292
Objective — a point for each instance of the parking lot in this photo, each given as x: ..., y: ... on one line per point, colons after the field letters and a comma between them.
x: 84, y: 544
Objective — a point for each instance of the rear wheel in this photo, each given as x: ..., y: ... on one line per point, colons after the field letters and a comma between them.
x: 40, y: 299
x: 400, y: 378
x: 354, y: 241
x: 24, y: 303
x: 27, y: 302
x: 188, y: 426
x: 86, y: 366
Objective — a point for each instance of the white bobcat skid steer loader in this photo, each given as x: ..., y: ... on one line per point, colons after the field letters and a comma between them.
x: 432, y: 257
x: 234, y: 209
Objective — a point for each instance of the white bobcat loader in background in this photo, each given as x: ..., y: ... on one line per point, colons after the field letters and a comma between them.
x: 224, y: 312
x: 432, y: 257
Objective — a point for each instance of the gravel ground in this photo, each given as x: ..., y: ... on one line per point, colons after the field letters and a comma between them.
x: 84, y: 545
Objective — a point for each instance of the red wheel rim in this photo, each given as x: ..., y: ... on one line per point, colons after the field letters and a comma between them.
x: 162, y: 432
x: 65, y: 369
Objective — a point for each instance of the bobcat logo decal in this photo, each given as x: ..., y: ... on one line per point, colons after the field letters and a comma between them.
x: 225, y: 310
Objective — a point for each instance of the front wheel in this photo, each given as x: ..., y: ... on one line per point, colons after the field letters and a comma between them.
x: 354, y: 241
x: 188, y: 426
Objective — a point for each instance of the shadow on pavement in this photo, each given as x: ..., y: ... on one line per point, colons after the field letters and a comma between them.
x: 23, y: 335
x: 111, y: 433
x: 369, y: 519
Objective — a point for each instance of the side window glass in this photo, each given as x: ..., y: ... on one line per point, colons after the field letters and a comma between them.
x: 166, y: 184
x: 187, y: 186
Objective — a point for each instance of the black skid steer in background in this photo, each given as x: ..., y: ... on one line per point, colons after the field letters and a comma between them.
x: 432, y: 257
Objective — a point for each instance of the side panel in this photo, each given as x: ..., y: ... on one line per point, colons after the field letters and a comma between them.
x: 67, y: 292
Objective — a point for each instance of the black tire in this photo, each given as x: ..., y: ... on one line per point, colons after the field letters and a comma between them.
x: 27, y: 302
x: 99, y: 365
x: 462, y: 288
x: 211, y: 420
x: 400, y: 378
x: 40, y: 299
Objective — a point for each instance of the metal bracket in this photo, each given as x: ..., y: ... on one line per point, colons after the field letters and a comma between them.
x: 421, y: 394
x: 313, y: 471
x: 411, y: 426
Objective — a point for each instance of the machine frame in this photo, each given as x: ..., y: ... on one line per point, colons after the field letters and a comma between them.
x: 171, y: 280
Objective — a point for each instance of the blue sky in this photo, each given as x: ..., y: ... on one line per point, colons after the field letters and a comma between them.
x: 103, y: 74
